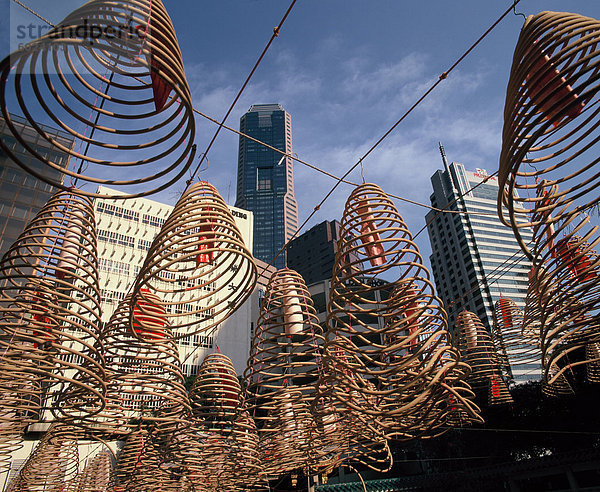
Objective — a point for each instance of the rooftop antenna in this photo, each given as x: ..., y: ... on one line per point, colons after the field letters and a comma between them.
x: 443, y: 152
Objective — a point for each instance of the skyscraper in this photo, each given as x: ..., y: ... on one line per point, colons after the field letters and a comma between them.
x: 265, y: 182
x: 21, y: 194
x: 475, y: 258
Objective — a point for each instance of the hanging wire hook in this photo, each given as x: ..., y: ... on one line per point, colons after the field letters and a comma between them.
x: 198, y: 170
x: 518, y: 13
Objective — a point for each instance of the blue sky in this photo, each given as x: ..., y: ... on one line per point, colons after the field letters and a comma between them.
x: 346, y: 70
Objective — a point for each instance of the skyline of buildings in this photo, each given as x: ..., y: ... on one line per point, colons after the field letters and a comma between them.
x: 475, y: 258
x: 466, y: 249
x: 265, y: 180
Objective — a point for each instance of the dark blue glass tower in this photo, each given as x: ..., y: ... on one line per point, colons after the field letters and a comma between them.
x: 265, y: 183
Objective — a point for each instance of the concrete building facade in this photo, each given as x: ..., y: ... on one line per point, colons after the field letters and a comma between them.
x: 475, y: 258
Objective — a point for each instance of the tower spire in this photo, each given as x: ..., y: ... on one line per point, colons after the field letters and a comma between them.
x: 443, y: 153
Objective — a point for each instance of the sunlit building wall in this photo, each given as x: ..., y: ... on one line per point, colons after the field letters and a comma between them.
x: 475, y: 258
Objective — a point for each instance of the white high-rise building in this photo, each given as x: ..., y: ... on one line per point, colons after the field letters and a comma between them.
x: 475, y: 258
x: 126, y: 229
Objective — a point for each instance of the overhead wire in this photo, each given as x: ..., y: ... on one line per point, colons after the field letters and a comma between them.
x: 275, y: 34
x: 34, y: 13
x: 323, y: 171
x: 442, y: 77
x: 487, y: 277
x: 221, y: 124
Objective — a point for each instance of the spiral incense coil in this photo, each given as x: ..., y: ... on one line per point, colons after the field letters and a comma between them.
x: 138, y: 464
x: 592, y: 354
x: 288, y: 436
x: 53, y: 464
x: 140, y: 468
x: 556, y: 384
x: 352, y: 437
x: 550, y: 119
x: 50, y: 307
x: 283, y: 369
x: 97, y: 476
x: 109, y: 76
x: 476, y: 349
x: 145, y: 380
x: 515, y: 344
x: 390, y: 335
x: 215, y: 393
x: 459, y: 409
x: 565, y: 285
x: 287, y: 345
x: 198, y: 265
x: 223, y: 438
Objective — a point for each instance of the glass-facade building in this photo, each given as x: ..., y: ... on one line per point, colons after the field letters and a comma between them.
x: 265, y: 181
x: 475, y: 258
x: 21, y: 194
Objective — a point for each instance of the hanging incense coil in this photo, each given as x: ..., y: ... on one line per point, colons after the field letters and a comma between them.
x: 145, y: 379
x: 223, y: 437
x: 286, y: 349
x: 283, y: 369
x: 50, y: 309
x: 550, y: 120
x: 20, y: 393
x: 476, y: 349
x: 97, y: 476
x: 512, y: 342
x: 109, y: 76
x: 198, y: 265
x: 353, y: 438
x: 53, y: 464
x: 390, y: 335
x: 556, y: 384
x: 138, y: 466
x: 592, y: 355
x: 564, y: 285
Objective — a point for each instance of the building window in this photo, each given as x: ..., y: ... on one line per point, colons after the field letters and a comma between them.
x: 263, y: 178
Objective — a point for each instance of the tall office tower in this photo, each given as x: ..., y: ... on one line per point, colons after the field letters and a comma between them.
x: 21, y: 194
x: 265, y: 182
x: 126, y: 229
x: 312, y: 254
x: 475, y: 258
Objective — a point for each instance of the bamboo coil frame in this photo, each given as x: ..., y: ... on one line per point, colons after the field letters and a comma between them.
x: 50, y: 310
x: 53, y: 464
x: 513, y: 343
x: 198, y: 265
x: 223, y: 436
x: 145, y: 379
x: 477, y: 349
x: 103, y: 77
x: 282, y: 372
x: 395, y: 363
x: 550, y: 121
